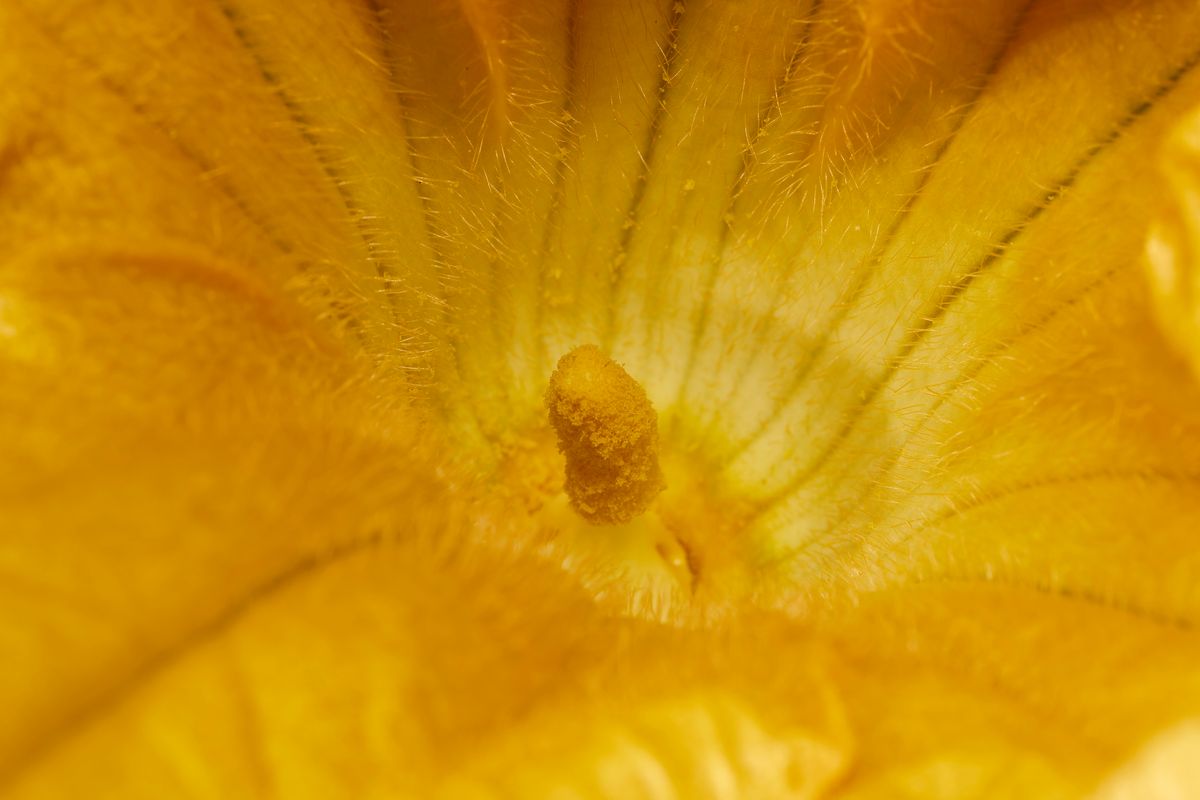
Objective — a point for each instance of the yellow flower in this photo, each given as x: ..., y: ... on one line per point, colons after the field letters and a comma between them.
x: 878, y: 417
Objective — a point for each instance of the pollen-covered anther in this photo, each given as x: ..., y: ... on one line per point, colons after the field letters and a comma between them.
x: 608, y: 434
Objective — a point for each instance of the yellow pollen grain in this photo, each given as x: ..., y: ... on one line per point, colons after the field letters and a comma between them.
x: 608, y: 434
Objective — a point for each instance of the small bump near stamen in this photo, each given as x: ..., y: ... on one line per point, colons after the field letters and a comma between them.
x: 608, y: 434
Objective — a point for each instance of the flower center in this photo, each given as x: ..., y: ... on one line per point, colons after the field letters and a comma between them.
x: 640, y: 521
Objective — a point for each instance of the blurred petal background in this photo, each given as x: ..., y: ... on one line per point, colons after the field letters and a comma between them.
x: 911, y: 285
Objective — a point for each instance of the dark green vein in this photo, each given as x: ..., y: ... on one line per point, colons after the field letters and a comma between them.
x: 938, y: 309
x: 801, y: 371
x: 304, y: 128
x: 669, y: 54
x: 770, y: 111
x: 211, y: 174
x: 568, y: 138
x: 963, y: 380
x: 1074, y: 595
x: 24, y: 759
x: 435, y: 233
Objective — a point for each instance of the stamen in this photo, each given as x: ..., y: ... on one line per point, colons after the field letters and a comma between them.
x: 608, y: 433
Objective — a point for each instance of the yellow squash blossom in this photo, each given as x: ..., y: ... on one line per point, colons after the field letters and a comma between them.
x: 599, y: 398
